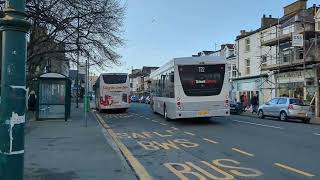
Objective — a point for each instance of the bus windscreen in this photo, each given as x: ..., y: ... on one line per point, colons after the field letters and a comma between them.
x: 202, y: 80
x: 114, y: 79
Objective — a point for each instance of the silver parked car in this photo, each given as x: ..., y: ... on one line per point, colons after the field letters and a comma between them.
x: 284, y: 108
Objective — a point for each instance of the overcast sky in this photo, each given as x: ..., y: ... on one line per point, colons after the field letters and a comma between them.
x: 159, y: 30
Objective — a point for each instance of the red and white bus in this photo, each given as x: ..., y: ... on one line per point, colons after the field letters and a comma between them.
x: 112, y: 91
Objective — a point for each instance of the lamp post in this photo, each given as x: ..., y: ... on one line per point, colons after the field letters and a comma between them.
x: 13, y: 92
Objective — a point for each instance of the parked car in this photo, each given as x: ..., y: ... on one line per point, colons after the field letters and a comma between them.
x: 236, y: 108
x: 142, y: 99
x: 134, y: 99
x: 147, y: 101
x: 285, y: 108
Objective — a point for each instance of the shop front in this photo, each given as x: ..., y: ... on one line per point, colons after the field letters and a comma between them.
x: 244, y: 89
x: 296, y: 84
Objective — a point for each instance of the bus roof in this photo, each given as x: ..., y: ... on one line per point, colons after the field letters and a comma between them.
x: 205, y: 59
x: 113, y: 74
x: 190, y: 61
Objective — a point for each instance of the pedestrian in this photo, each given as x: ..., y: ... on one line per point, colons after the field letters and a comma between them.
x: 32, y: 100
x: 242, y: 102
x: 254, y: 103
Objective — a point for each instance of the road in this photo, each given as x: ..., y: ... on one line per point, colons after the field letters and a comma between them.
x: 237, y: 147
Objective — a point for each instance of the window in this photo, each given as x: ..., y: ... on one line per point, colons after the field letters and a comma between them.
x: 286, y: 56
x: 264, y: 60
x: 273, y: 101
x: 296, y: 102
x: 247, y: 41
x: 282, y: 101
x: 202, y: 80
x: 114, y: 79
x: 247, y: 66
x: 229, y: 70
x: 300, y: 53
x: 163, y: 84
x: 234, y: 70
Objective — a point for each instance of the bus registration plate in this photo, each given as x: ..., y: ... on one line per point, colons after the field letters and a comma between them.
x: 203, y: 113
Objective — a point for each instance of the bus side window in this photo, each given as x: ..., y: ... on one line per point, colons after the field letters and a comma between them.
x: 172, y: 77
x: 163, y: 81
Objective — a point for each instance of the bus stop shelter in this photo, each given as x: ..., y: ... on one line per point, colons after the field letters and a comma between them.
x: 53, y: 97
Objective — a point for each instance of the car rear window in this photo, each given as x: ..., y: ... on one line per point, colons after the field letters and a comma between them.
x: 298, y: 102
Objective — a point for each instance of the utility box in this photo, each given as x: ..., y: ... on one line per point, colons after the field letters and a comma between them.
x: 53, y: 97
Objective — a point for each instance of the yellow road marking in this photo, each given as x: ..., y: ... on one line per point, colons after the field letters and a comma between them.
x: 242, y: 152
x: 294, y: 170
x: 211, y: 141
x: 163, y: 124
x: 135, y: 164
x: 189, y: 133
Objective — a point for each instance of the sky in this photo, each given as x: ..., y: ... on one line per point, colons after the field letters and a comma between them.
x: 159, y: 30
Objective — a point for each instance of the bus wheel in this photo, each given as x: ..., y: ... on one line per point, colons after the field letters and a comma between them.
x: 165, y: 114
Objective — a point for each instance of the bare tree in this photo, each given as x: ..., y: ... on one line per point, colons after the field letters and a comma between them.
x: 94, y: 27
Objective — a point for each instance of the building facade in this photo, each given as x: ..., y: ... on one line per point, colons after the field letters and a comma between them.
x: 293, y: 67
x: 251, y: 57
x: 139, y: 80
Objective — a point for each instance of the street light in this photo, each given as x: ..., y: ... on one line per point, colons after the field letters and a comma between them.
x: 13, y: 89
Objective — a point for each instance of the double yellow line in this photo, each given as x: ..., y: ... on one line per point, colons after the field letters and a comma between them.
x: 140, y: 171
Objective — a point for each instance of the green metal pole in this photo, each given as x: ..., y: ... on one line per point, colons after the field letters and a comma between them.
x: 13, y: 27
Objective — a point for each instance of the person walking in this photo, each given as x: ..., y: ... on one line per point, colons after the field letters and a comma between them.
x: 242, y: 102
x: 32, y: 100
x: 255, y: 103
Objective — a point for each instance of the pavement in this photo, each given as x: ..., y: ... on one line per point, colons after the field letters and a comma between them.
x: 59, y: 150
x: 237, y: 147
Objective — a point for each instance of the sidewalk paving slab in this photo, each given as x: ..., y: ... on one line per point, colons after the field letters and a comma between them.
x: 59, y: 150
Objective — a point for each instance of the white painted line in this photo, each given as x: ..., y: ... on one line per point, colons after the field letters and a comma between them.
x: 154, y: 121
x: 211, y: 141
x: 256, y: 124
x: 317, y: 134
x: 243, y: 152
x: 189, y: 133
x: 163, y: 124
x: 174, y: 128
x: 294, y: 170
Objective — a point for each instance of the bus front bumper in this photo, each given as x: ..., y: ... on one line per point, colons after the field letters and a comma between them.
x: 197, y: 114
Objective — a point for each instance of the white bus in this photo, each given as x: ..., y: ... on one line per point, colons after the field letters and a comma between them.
x: 112, y: 91
x: 191, y: 87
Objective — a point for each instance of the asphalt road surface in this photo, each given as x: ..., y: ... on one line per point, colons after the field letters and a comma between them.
x: 237, y: 147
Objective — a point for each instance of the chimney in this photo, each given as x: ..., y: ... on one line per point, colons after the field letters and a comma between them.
x: 242, y: 32
x: 295, y: 7
x: 268, y: 21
